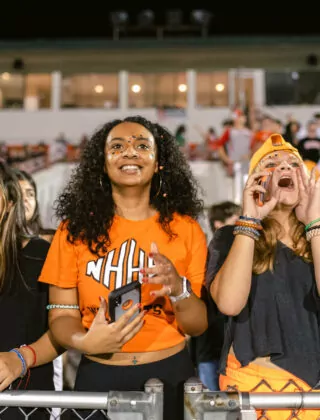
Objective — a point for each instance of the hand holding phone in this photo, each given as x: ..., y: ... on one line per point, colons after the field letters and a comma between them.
x: 104, y: 337
x: 264, y: 182
x: 122, y: 299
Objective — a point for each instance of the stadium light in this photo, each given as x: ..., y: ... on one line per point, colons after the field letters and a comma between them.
x: 146, y: 18
x: 119, y: 18
x: 201, y: 18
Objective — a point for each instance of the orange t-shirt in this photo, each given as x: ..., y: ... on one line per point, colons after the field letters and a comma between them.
x: 73, y: 265
x: 258, y: 139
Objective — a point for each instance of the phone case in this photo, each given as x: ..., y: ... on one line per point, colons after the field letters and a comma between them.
x: 264, y: 182
x: 122, y: 299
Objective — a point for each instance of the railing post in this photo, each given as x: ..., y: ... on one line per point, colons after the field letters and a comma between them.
x: 154, y: 387
x: 193, y: 388
x: 221, y: 405
x: 247, y: 412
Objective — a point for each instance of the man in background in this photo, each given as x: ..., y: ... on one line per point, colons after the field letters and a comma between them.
x: 206, y: 348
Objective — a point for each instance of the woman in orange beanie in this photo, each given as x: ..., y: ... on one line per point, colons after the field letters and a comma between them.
x: 264, y: 273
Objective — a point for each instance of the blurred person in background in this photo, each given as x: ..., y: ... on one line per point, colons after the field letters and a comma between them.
x: 32, y: 212
x: 264, y: 274
x: 134, y: 190
x: 58, y: 151
x: 25, y: 342
x: 303, y: 132
x: 277, y: 126
x: 180, y: 135
x: 206, y: 348
x: 210, y: 143
x: 223, y: 214
x: 309, y: 147
x: 235, y: 145
x: 261, y: 135
x: 291, y: 132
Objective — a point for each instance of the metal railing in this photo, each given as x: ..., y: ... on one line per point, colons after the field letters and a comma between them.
x: 113, y: 405
x: 200, y: 404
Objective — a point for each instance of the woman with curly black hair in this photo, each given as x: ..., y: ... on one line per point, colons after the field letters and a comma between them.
x: 128, y: 215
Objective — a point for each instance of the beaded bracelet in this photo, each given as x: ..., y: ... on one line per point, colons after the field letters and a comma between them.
x: 26, y: 346
x: 250, y: 219
x: 248, y: 224
x: 24, y: 364
x: 251, y: 235
x: 247, y: 229
x: 54, y: 306
x: 312, y: 233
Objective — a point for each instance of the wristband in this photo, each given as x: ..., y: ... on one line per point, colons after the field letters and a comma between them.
x: 312, y: 223
x: 24, y: 365
x: 33, y: 352
x: 250, y: 219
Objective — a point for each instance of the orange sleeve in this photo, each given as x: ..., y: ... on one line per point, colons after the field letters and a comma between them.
x: 197, y: 259
x: 60, y: 268
x: 224, y: 138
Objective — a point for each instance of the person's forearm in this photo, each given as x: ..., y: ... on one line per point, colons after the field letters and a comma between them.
x: 231, y: 286
x: 223, y: 156
x: 315, y: 248
x: 191, y: 315
x: 68, y: 332
x: 46, y: 350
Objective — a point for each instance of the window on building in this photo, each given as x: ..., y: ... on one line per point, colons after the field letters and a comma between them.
x: 11, y: 90
x: 292, y: 87
x: 90, y: 91
x: 37, y: 91
x: 158, y: 90
x: 212, y: 89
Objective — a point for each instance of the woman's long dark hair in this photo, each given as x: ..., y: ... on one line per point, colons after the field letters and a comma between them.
x: 34, y: 224
x: 12, y: 226
x: 87, y: 204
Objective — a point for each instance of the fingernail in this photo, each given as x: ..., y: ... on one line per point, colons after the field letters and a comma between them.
x: 152, y: 294
x: 145, y: 280
x: 139, y: 305
x: 150, y: 254
x: 100, y: 298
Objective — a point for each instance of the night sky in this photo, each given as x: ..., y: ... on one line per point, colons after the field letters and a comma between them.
x: 99, y: 26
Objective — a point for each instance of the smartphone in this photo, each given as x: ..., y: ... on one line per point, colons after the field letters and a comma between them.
x: 264, y: 182
x: 122, y: 299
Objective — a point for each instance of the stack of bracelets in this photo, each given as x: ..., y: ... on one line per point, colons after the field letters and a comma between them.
x: 312, y: 230
x: 251, y: 227
x: 248, y: 226
x: 25, y: 371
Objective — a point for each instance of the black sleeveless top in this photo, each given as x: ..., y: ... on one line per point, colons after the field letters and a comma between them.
x: 23, y: 313
x: 282, y: 316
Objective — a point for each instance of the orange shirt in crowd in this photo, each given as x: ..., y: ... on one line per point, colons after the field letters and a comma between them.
x: 258, y: 139
x: 73, y: 265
